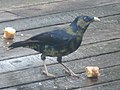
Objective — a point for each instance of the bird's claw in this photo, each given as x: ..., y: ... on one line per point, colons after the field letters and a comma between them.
x: 75, y: 75
x: 48, y: 74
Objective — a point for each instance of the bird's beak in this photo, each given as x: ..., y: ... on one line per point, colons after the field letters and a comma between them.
x: 96, y: 19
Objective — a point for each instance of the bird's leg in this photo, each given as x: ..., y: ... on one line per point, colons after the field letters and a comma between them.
x: 45, y: 67
x: 69, y: 71
x: 46, y: 71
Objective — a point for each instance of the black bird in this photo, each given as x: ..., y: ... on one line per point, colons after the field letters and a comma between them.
x: 60, y: 42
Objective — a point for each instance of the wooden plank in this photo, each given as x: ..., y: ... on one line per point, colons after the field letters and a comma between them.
x: 5, y: 5
x: 104, y: 86
x: 109, y: 64
x: 114, y: 85
x: 5, y: 8
x: 87, y: 51
x: 65, y: 5
x: 4, y: 16
x: 51, y: 7
x: 59, y: 18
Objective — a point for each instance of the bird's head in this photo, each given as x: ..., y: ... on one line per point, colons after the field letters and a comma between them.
x: 84, y: 21
x: 88, y: 18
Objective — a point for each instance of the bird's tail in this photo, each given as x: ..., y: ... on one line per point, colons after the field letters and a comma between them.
x: 18, y: 44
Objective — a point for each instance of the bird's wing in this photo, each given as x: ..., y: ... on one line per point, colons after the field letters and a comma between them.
x: 56, y: 37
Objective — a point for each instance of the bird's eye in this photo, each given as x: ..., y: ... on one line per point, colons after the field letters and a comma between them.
x: 85, y: 18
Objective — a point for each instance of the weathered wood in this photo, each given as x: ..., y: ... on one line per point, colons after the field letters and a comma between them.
x: 4, y: 16
x: 114, y: 85
x: 52, y: 6
x: 59, y: 18
x: 56, y: 7
x: 108, y: 64
x: 104, y: 86
x: 13, y: 4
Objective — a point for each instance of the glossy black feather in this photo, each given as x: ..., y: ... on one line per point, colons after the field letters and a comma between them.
x: 59, y: 42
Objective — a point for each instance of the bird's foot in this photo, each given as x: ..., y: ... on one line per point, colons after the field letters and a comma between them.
x: 71, y: 73
x: 48, y: 74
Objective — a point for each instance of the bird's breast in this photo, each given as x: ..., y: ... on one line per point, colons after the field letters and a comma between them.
x: 62, y: 50
x: 55, y: 51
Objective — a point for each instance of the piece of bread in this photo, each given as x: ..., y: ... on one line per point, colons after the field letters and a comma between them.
x: 92, y: 71
x: 9, y: 33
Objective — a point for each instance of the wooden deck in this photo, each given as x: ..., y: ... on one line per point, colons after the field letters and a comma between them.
x: 21, y: 69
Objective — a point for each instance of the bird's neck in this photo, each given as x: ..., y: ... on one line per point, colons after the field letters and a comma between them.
x: 77, y: 28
